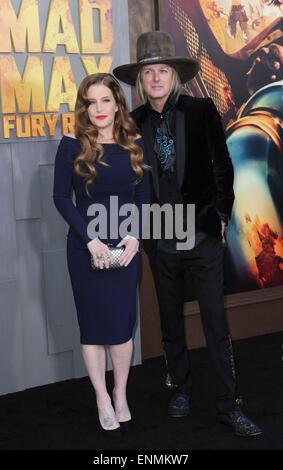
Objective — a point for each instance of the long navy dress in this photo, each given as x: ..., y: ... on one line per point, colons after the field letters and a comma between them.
x: 105, y: 300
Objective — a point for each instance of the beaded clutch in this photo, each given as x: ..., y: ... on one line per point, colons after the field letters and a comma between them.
x: 115, y: 263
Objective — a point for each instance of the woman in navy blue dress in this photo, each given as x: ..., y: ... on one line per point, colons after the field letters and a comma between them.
x: 103, y: 162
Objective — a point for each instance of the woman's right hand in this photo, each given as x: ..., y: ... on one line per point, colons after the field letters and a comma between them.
x: 101, y: 254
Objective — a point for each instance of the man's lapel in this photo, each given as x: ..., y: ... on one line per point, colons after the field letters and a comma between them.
x: 147, y: 134
x: 182, y: 145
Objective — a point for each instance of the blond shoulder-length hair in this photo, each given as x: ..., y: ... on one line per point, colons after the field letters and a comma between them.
x: 176, y: 86
x: 124, y: 132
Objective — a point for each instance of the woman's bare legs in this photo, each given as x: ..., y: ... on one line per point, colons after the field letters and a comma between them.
x: 121, y: 355
x: 95, y: 362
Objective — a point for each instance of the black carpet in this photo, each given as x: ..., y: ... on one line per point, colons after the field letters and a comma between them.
x: 63, y: 416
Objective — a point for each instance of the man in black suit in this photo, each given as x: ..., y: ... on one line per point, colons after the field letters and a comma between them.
x: 190, y: 164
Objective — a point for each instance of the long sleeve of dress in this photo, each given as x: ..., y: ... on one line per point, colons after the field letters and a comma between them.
x: 62, y: 189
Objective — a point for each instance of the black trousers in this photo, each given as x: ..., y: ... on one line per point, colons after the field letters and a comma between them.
x: 203, y: 265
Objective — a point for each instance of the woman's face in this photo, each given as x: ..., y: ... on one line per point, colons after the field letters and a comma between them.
x: 102, y: 107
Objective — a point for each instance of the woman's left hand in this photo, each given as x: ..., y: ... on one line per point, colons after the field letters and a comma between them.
x: 132, y: 247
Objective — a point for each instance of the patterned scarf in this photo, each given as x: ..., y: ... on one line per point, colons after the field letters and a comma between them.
x: 164, y: 147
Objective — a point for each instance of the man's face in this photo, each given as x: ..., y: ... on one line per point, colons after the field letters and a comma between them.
x: 157, y: 80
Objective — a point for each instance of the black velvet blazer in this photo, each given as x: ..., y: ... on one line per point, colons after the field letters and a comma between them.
x: 203, y: 164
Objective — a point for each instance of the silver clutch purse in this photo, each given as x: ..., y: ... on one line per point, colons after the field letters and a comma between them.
x: 116, y: 255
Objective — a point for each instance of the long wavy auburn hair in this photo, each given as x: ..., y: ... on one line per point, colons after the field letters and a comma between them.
x: 125, y: 131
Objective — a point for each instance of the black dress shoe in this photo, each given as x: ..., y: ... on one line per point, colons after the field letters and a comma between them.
x: 179, y: 405
x: 116, y: 433
x: 125, y: 426
x: 241, y: 425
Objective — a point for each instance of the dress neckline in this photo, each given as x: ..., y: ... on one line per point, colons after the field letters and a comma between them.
x: 106, y: 143
x: 109, y: 143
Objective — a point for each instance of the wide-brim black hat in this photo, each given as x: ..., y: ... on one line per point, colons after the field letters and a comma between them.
x: 157, y: 47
